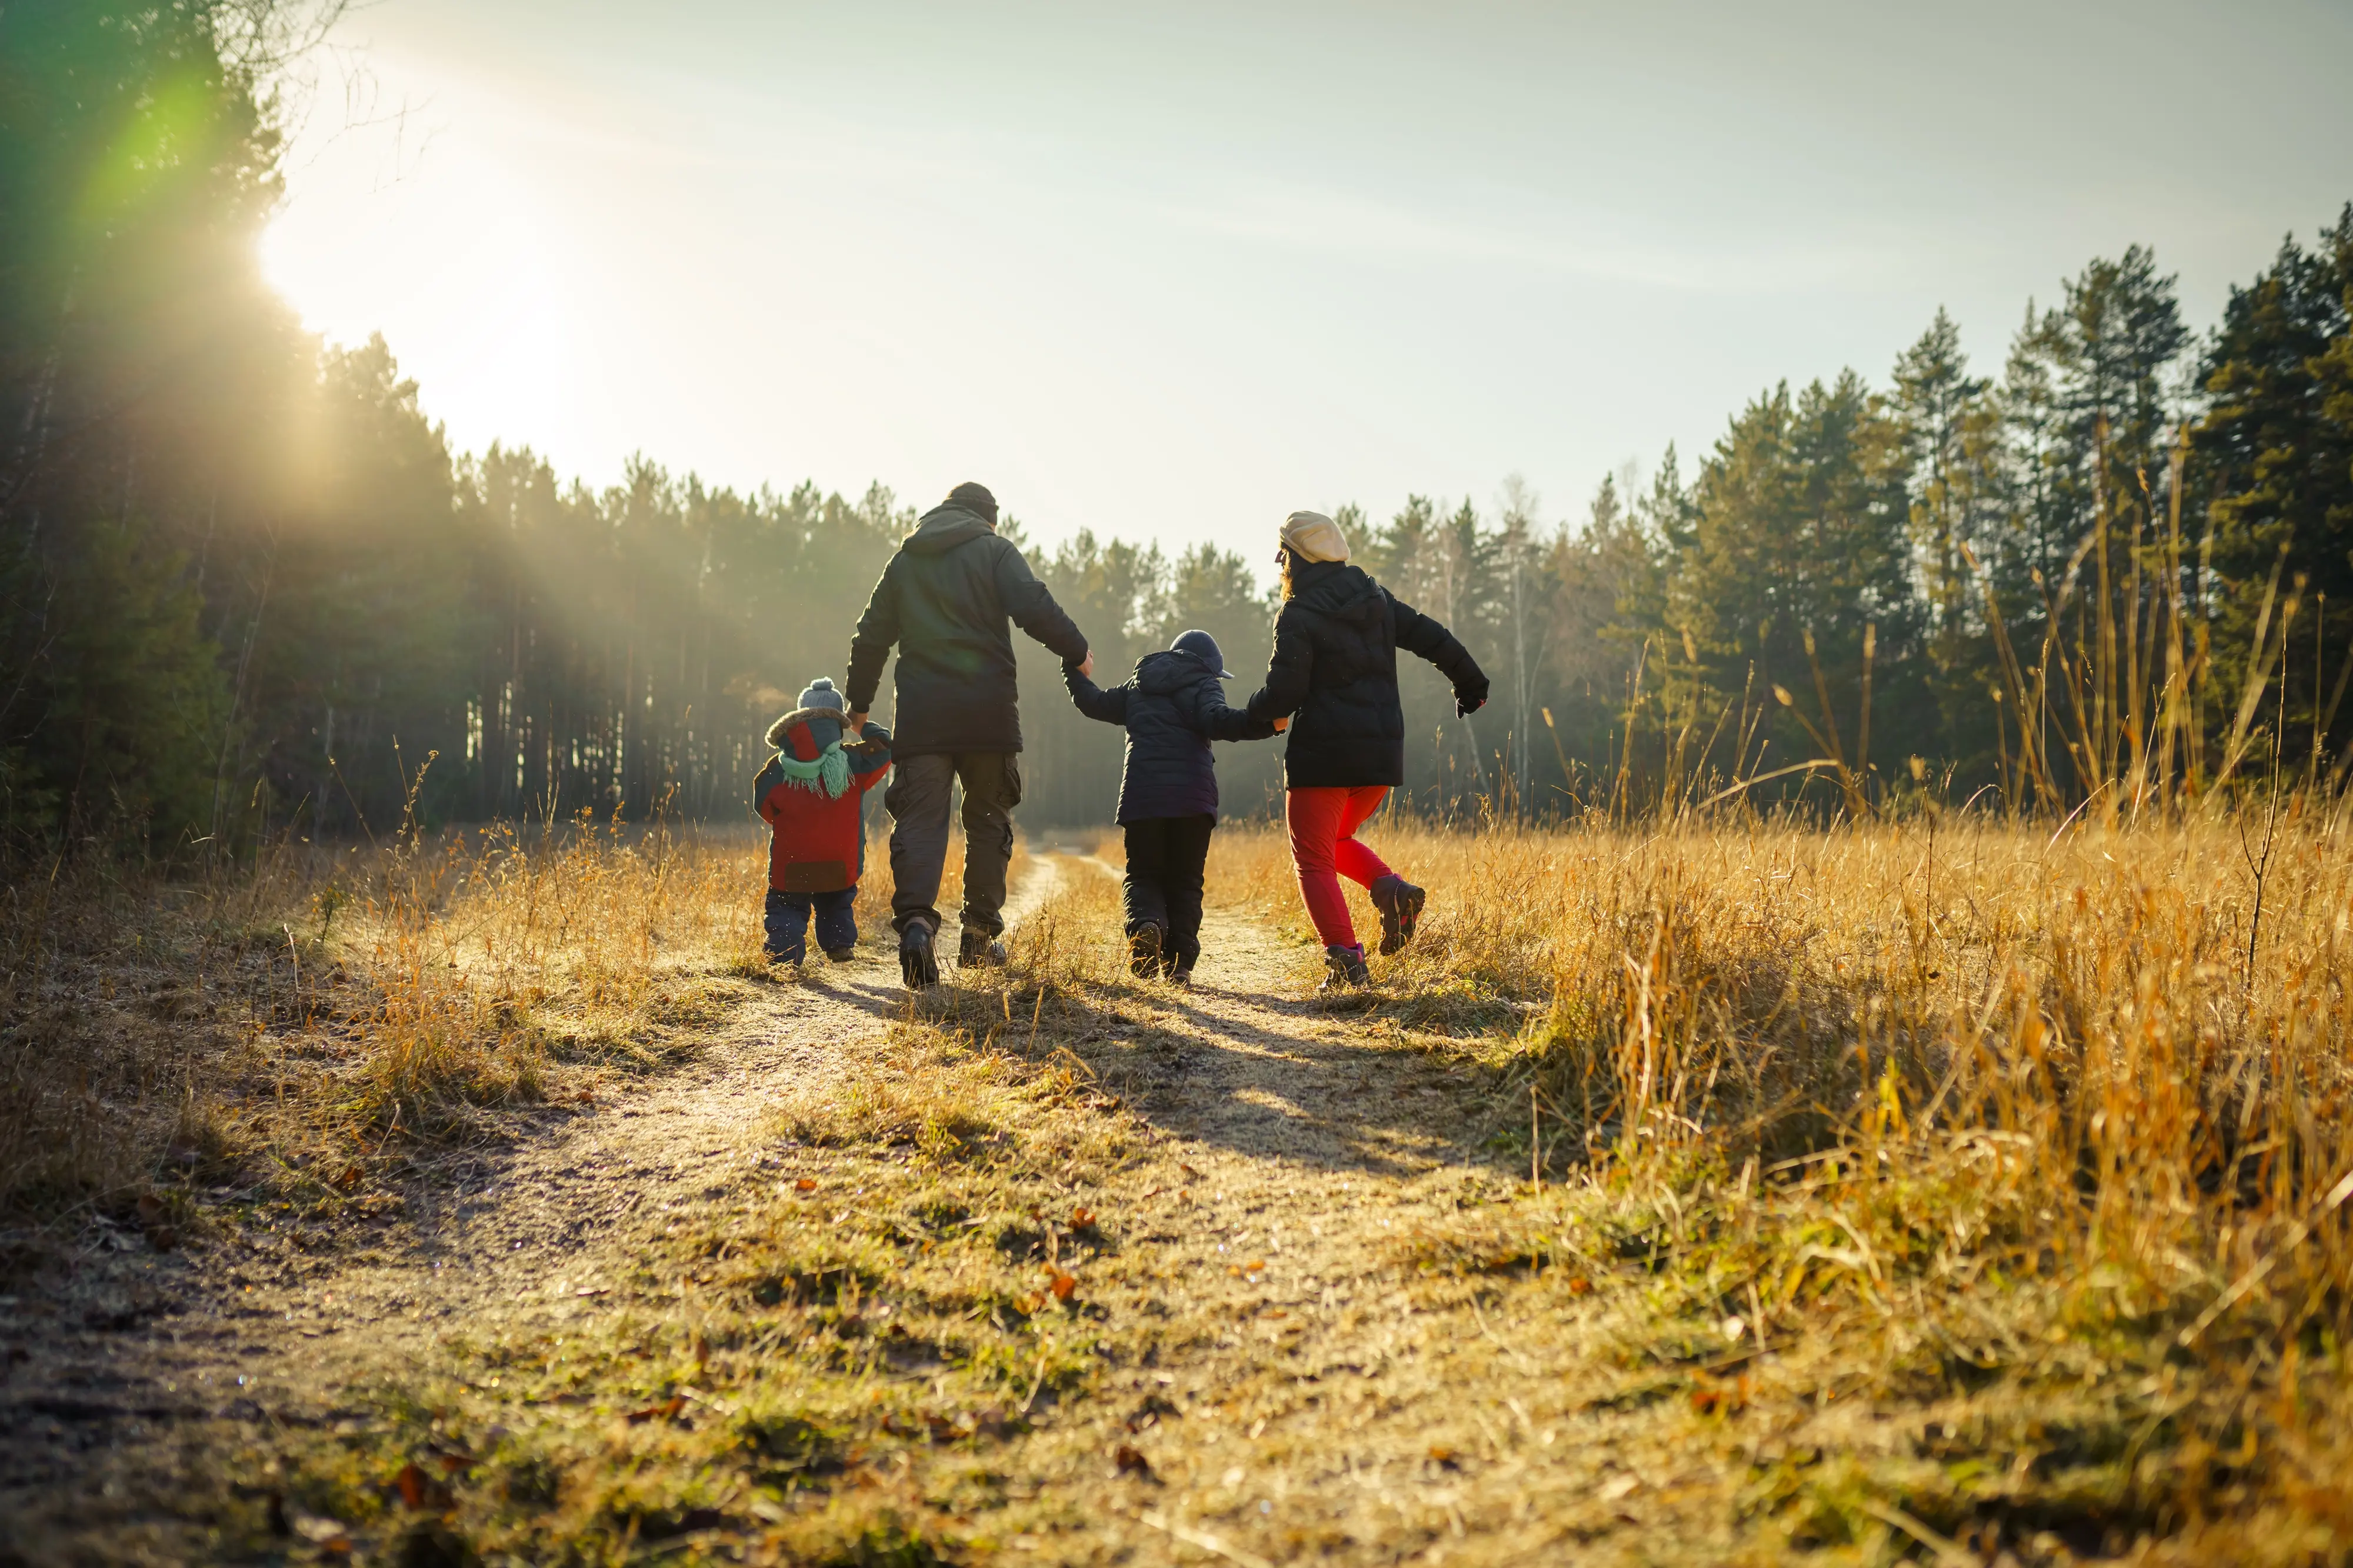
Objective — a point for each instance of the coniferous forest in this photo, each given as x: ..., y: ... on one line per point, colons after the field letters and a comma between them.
x: 247, y: 583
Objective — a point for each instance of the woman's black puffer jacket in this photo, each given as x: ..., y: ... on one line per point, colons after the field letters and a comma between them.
x: 1334, y: 668
x: 1172, y: 708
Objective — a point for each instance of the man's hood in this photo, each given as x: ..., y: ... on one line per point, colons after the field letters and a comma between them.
x: 943, y: 528
x: 1332, y: 588
x: 1159, y: 674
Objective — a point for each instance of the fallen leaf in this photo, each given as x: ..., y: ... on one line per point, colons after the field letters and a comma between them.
x: 1188, y: 1170
x: 151, y: 1208
x: 805, y: 1184
x: 419, y: 1490
x: 1082, y: 1218
x: 349, y: 1179
x: 1132, y: 1462
x: 1027, y: 1303
x: 667, y: 1410
x: 1061, y: 1285
x: 1444, y: 1457
x: 1580, y: 1286
x: 585, y: 1098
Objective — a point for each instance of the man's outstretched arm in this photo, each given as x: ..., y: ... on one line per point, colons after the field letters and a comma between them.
x: 1033, y: 609
x: 869, y: 648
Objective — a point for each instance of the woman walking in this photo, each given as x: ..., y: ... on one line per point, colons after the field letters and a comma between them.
x: 1334, y: 674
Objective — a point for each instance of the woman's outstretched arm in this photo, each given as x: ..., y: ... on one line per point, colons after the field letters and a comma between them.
x: 1287, y: 671
x: 1420, y: 634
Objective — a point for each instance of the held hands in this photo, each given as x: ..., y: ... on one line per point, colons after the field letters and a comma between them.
x: 1087, y: 665
x: 1282, y: 723
x: 1466, y: 703
x: 858, y: 724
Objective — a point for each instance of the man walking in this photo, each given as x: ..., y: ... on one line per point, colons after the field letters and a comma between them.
x: 944, y: 599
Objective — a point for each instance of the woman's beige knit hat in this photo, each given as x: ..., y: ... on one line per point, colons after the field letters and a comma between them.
x: 1311, y: 536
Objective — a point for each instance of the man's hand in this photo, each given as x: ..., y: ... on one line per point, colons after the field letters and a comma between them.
x: 1282, y: 723
x: 858, y: 724
x: 1087, y: 665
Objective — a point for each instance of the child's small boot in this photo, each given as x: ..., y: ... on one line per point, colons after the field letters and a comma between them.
x: 1399, y: 902
x: 841, y: 955
x: 1344, y: 969
x: 1144, y: 940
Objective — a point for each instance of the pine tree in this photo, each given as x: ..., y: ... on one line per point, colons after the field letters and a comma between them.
x: 2275, y: 452
x: 1949, y: 428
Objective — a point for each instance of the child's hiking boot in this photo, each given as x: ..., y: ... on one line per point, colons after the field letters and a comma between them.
x: 1143, y: 951
x: 1181, y: 974
x: 979, y: 950
x: 841, y: 955
x: 1344, y: 969
x: 917, y: 967
x: 1399, y: 902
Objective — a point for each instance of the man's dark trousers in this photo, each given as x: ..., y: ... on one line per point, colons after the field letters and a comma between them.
x: 1162, y: 886
x: 788, y: 918
x: 918, y: 800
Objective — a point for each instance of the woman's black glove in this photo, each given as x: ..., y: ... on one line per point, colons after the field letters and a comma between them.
x: 1469, y: 700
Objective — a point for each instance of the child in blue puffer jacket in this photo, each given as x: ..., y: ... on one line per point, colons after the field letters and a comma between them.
x: 1172, y: 708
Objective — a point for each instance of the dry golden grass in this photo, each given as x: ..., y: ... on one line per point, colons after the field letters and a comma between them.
x: 1931, y: 1190
x: 327, y: 1005
x: 1930, y: 1108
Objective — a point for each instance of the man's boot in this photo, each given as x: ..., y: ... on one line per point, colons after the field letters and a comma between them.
x: 1399, y: 902
x: 917, y: 967
x: 1143, y: 942
x: 979, y: 950
x: 1345, y: 969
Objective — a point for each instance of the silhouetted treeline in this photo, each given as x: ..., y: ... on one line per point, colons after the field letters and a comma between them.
x: 245, y: 582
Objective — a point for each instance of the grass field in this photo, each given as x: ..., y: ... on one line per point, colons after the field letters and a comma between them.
x: 1940, y: 1189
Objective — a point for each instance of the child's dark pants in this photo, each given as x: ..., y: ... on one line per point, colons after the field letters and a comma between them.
x: 1165, y: 856
x: 788, y: 918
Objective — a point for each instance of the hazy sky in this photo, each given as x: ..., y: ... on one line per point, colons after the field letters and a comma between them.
x: 1169, y: 272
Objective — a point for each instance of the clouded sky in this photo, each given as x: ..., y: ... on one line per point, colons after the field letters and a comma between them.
x: 1171, y: 271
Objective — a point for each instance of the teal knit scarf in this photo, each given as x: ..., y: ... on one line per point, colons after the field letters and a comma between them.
x: 830, y: 772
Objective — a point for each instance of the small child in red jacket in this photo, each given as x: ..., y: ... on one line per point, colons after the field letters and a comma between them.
x: 810, y: 794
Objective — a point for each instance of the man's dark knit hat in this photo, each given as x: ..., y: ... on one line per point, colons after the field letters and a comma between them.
x: 975, y: 499
x: 1204, y: 647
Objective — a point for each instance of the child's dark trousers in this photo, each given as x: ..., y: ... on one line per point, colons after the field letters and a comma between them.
x: 1162, y: 886
x: 789, y: 920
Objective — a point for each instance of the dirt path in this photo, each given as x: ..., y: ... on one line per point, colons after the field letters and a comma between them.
x: 1276, y: 1377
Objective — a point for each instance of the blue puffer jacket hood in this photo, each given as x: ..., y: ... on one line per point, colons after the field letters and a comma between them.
x: 1172, y: 708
